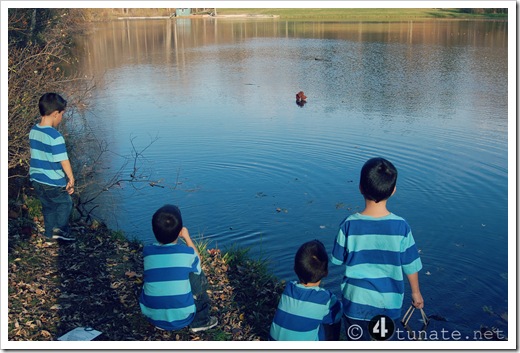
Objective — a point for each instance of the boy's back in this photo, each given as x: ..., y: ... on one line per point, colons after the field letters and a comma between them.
x: 376, y: 251
x: 166, y: 298
x: 301, y: 313
x: 307, y: 312
x: 377, y: 247
x: 174, y: 289
x: 48, y: 149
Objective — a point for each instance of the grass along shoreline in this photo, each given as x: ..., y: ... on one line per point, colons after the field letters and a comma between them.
x: 307, y: 14
x: 95, y: 282
x: 362, y: 14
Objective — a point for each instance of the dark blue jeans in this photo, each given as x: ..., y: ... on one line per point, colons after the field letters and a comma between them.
x: 199, y: 285
x: 56, y: 207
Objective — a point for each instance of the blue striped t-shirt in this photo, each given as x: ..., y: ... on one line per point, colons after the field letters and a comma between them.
x: 301, y: 313
x: 47, y: 151
x: 166, y: 299
x: 376, y: 252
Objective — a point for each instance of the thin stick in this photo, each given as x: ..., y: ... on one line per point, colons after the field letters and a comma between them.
x: 408, y: 315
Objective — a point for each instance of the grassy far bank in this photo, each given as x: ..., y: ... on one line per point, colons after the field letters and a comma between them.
x: 95, y: 282
x: 315, y: 14
x: 364, y: 14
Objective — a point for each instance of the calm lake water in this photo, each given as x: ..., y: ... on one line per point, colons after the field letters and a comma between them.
x: 211, y: 106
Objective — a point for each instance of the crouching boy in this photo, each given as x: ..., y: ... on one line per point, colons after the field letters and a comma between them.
x: 174, y: 290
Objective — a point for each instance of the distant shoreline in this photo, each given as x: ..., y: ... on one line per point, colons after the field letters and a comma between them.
x: 310, y: 14
x: 240, y: 16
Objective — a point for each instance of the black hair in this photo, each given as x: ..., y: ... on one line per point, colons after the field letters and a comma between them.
x: 167, y: 224
x: 378, y: 179
x: 311, y: 262
x: 51, y: 102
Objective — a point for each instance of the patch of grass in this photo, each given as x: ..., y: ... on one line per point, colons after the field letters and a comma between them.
x: 118, y: 235
x: 307, y: 14
x: 356, y: 14
x: 34, y: 206
x: 235, y: 255
x: 219, y: 335
x: 202, y: 248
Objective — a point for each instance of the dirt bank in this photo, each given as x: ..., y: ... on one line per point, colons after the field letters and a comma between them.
x: 95, y: 281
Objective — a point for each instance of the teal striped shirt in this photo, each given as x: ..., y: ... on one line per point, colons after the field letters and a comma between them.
x: 376, y: 252
x: 302, y: 312
x: 47, y: 151
x: 166, y: 299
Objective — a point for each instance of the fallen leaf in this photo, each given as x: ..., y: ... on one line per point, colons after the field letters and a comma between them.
x: 115, y: 285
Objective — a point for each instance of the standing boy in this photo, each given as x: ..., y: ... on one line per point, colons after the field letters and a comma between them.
x: 307, y: 312
x: 174, y: 290
x: 50, y: 170
x: 377, y: 246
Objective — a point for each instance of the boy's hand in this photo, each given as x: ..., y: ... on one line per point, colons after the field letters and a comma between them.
x: 70, y: 187
x: 65, y: 164
x: 184, y: 234
x: 417, y: 300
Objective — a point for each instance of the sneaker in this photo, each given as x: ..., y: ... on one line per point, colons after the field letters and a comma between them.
x: 211, y: 323
x: 49, y: 241
x: 61, y: 235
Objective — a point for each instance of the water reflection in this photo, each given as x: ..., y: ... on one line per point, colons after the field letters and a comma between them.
x: 133, y: 39
x: 379, y: 74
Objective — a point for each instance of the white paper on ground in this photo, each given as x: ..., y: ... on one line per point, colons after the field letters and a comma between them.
x: 80, y: 334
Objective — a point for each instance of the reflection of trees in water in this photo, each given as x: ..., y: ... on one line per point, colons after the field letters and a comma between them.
x: 175, y: 45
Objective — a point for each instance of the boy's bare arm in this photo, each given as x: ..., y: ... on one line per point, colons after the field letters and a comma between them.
x: 417, y: 299
x: 67, y: 168
x: 184, y: 234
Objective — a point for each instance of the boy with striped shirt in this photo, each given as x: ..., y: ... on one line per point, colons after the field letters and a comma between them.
x: 377, y: 246
x: 174, y: 290
x: 50, y: 170
x: 307, y: 312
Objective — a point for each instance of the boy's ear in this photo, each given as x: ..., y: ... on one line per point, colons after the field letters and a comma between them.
x: 393, y: 192
x: 55, y: 114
